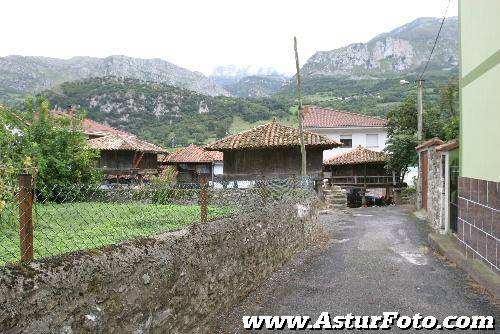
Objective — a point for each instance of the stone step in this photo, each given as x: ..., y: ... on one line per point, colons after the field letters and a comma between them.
x: 336, y: 196
x: 337, y: 206
x: 336, y: 200
x: 334, y: 191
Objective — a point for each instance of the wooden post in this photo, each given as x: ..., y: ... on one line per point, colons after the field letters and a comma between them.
x: 26, y: 217
x: 204, y: 199
x: 264, y: 190
x: 294, y: 181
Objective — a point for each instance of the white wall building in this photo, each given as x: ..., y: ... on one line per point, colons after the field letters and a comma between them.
x: 351, y: 129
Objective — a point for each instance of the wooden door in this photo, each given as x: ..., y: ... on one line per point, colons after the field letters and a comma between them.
x: 424, y: 159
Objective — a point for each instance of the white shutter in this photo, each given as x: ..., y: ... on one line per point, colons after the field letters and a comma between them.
x: 372, y: 140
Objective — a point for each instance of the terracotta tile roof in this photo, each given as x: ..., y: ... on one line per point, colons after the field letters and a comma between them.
x: 316, y: 117
x: 271, y: 135
x: 448, y: 146
x: 91, y: 127
x: 359, y: 155
x: 160, y: 157
x: 431, y: 142
x: 193, y: 153
x: 115, y: 142
x: 216, y: 155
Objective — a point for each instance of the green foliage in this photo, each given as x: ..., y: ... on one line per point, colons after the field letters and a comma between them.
x: 452, y: 129
x: 167, y: 177
x: 163, y: 114
x: 54, y: 148
x: 402, y: 126
x: 374, y: 97
x: 11, y: 158
x: 58, y: 147
x: 166, y: 195
x: 449, y: 107
x: 172, y: 117
x: 440, y: 120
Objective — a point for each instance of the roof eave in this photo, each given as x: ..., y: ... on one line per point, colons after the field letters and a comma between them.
x: 353, y: 127
x: 226, y: 149
x: 355, y: 163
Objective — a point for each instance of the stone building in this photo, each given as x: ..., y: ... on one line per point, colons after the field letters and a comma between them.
x: 438, y: 183
x: 271, y: 150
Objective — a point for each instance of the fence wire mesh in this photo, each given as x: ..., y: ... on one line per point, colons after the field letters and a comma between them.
x: 41, y: 222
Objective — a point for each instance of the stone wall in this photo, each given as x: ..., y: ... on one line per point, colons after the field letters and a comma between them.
x: 434, y: 187
x: 435, y: 190
x: 174, y: 282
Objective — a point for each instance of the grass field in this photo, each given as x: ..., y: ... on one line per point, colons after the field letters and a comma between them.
x: 63, y: 228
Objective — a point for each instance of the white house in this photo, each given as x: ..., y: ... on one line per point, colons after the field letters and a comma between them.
x: 351, y: 129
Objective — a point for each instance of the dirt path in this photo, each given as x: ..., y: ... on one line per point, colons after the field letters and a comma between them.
x: 376, y: 261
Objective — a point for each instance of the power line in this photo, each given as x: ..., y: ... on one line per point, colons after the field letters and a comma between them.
x: 435, y: 41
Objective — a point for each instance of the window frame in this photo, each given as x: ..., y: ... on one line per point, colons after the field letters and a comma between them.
x: 349, y: 138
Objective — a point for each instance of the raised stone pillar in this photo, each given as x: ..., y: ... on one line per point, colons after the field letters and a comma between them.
x: 335, y: 198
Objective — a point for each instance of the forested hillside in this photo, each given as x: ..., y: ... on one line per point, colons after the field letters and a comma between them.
x: 161, y: 113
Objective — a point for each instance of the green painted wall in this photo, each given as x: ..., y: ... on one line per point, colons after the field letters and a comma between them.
x: 480, y: 89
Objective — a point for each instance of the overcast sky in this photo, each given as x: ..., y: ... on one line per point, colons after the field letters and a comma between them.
x: 200, y: 35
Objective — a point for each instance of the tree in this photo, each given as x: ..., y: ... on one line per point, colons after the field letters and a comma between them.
x: 11, y: 159
x: 54, y: 148
x: 449, y: 107
x: 402, y: 126
x: 57, y: 147
x: 440, y: 120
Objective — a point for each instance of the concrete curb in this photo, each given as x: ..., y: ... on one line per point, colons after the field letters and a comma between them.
x: 479, y: 272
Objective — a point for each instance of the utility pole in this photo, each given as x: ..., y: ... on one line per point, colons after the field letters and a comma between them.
x: 300, y: 115
x: 420, y: 100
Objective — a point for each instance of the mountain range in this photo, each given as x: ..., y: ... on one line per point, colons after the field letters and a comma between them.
x: 249, y: 81
x: 403, y: 50
x: 162, y: 101
x: 28, y: 75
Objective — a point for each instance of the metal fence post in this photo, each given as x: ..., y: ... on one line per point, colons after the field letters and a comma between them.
x: 204, y: 199
x: 26, y: 216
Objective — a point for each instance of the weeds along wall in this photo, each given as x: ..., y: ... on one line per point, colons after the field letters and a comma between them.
x: 173, y: 282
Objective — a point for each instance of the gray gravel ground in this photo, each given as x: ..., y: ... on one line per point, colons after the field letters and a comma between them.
x: 376, y: 260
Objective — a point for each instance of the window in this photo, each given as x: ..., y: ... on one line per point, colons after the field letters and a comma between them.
x: 372, y: 140
x: 346, y: 140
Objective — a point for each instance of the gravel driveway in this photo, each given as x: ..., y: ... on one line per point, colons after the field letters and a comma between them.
x: 376, y: 260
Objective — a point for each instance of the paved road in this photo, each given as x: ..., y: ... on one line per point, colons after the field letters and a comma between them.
x: 376, y: 261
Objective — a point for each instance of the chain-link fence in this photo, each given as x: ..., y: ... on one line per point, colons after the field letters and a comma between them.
x: 36, y: 223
